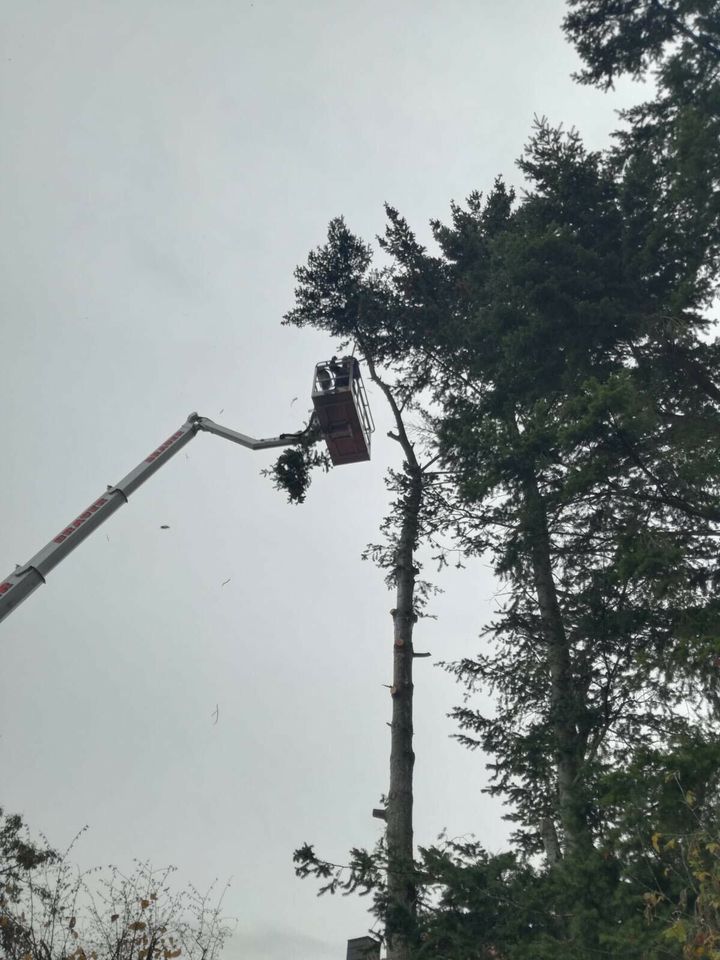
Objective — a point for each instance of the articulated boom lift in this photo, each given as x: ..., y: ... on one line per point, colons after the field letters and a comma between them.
x: 342, y: 418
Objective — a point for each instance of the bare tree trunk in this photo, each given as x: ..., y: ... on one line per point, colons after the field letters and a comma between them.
x: 401, y: 885
x: 399, y: 834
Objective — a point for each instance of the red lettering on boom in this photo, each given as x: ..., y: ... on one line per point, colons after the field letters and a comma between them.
x: 79, y: 521
x: 4, y: 587
x: 164, y: 446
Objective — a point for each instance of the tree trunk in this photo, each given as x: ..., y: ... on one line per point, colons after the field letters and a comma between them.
x: 399, y: 833
x: 564, y: 706
x: 400, y: 921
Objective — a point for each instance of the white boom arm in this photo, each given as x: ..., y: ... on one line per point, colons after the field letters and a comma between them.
x: 25, y: 579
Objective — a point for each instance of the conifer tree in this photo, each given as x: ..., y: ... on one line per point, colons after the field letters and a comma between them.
x: 410, y: 521
x: 575, y: 387
x: 576, y: 451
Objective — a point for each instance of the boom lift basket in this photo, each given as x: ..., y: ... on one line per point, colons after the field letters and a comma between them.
x: 342, y: 409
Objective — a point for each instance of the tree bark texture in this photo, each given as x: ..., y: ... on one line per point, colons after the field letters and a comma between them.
x: 401, y: 887
x: 565, y: 708
x: 399, y: 832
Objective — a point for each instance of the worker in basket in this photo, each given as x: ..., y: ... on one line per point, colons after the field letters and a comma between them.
x: 342, y: 370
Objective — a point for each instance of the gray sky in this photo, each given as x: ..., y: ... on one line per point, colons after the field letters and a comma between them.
x: 165, y: 166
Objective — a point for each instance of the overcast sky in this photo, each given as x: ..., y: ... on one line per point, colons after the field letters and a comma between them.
x: 165, y: 165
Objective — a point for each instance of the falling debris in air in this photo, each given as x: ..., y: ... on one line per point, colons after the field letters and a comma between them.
x: 216, y: 714
x: 226, y: 581
x: 164, y: 526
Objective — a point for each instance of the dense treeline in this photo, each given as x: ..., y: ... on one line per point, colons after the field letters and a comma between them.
x: 557, y: 349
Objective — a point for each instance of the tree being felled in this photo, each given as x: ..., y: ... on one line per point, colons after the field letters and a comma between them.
x: 352, y: 316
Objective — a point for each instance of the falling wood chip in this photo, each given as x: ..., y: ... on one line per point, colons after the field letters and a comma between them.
x: 226, y: 581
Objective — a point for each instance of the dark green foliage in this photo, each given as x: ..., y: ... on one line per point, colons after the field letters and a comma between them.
x: 497, y: 905
x: 291, y: 472
x: 614, y: 37
x: 363, y: 875
x: 473, y: 905
x: 669, y: 146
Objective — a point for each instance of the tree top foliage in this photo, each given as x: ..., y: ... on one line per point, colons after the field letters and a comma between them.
x: 616, y: 37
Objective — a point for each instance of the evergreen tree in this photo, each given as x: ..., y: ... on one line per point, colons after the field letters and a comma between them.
x: 576, y: 432
x: 409, y: 522
x: 573, y: 378
x: 669, y: 146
